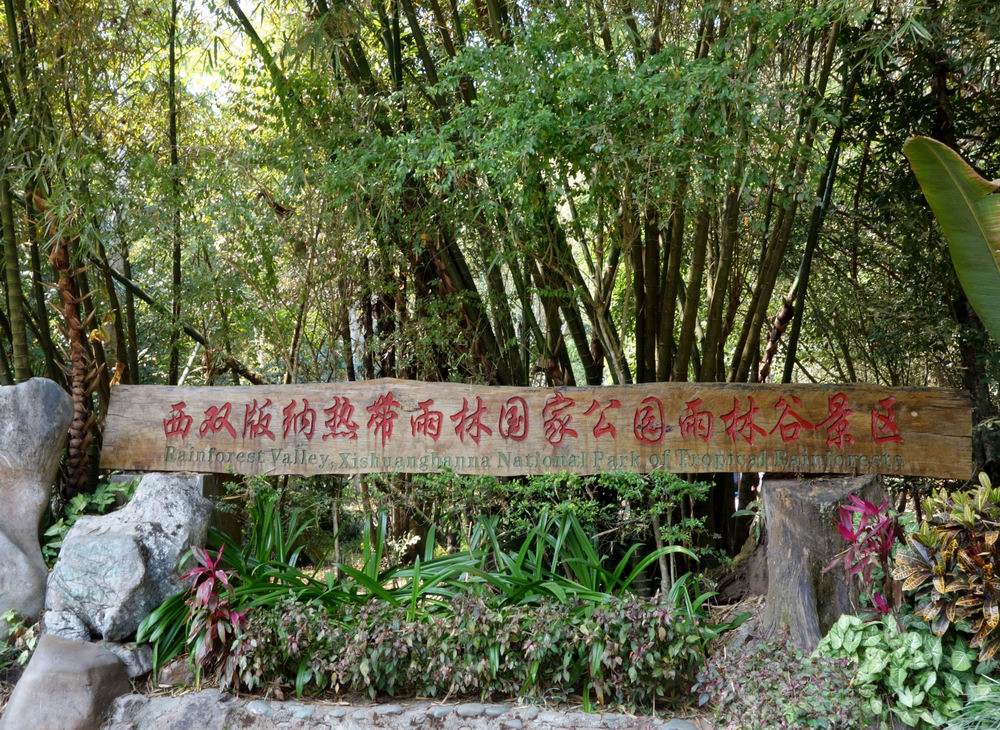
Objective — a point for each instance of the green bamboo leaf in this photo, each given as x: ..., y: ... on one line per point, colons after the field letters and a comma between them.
x: 968, y: 210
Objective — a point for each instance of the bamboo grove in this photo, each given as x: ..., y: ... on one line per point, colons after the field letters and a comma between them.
x: 500, y: 191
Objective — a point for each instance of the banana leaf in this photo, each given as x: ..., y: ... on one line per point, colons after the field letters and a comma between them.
x: 967, y: 208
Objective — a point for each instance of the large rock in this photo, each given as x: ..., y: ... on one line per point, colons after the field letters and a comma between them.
x: 68, y: 685
x: 137, y: 658
x: 34, y: 419
x: 114, y: 569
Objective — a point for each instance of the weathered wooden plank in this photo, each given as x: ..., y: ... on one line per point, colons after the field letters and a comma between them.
x: 393, y: 425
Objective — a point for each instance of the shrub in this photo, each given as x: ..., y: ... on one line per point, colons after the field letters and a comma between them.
x: 213, y: 623
x: 641, y: 652
x: 457, y: 623
x: 557, y: 560
x: 909, y: 673
x: 629, y: 652
x: 950, y: 565
x: 871, y: 532
x: 765, y: 685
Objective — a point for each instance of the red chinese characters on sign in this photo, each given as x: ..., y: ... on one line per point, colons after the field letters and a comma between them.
x: 884, y: 427
x: 790, y: 423
x: 647, y: 423
x: 745, y: 424
x: 257, y: 420
x: 302, y: 421
x: 178, y: 423
x: 217, y: 419
x: 340, y: 422
x: 836, y: 423
x: 426, y: 422
x: 695, y: 422
x: 603, y: 425
x: 556, y: 419
x: 742, y: 424
x: 470, y: 421
x: 384, y: 411
x: 513, y: 423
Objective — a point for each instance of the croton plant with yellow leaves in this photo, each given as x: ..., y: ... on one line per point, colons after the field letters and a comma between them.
x: 950, y: 564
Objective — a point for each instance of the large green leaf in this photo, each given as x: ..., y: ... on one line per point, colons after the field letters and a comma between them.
x: 968, y: 209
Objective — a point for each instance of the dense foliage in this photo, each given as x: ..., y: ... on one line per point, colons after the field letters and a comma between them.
x: 950, y: 564
x: 628, y: 651
x: 906, y: 672
x: 536, y: 192
x: 769, y: 685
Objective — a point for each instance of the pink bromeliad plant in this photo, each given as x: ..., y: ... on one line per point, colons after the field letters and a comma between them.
x: 214, y: 625
x: 871, y: 531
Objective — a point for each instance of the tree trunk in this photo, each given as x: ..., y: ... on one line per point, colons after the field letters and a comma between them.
x: 15, y: 299
x: 81, y: 430
x: 131, y: 328
x: 802, y: 540
x: 175, y: 184
x: 52, y: 370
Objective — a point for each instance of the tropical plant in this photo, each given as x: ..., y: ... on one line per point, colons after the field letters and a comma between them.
x: 213, y: 623
x: 871, y: 532
x: 950, y: 565
x: 906, y: 671
x: 967, y: 208
x: 555, y: 561
x: 557, y: 558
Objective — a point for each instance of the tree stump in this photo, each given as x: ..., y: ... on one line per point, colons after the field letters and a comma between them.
x: 801, y: 517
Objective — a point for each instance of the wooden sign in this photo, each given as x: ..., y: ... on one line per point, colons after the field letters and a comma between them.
x: 407, y: 426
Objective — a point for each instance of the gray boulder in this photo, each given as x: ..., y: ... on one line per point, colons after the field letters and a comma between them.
x: 137, y: 658
x: 34, y: 419
x: 114, y: 569
x: 67, y: 685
